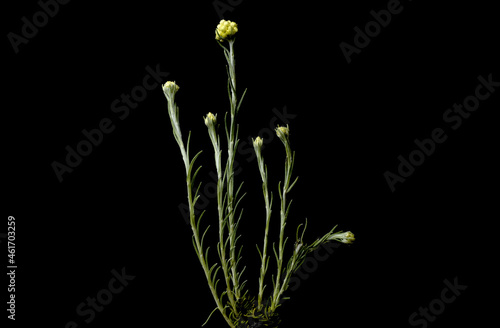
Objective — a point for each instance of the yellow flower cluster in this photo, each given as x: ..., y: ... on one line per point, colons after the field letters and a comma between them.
x: 283, y: 132
x: 170, y: 86
x: 169, y: 90
x: 210, y: 120
x: 258, y: 142
x: 225, y: 30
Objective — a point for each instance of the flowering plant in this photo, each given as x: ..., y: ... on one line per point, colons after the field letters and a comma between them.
x: 238, y: 308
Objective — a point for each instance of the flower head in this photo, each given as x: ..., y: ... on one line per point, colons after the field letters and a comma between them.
x: 225, y: 30
x: 257, y: 142
x: 170, y: 89
x: 343, y: 237
x: 283, y: 132
x: 210, y: 120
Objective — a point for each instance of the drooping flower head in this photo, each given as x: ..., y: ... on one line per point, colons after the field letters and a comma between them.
x: 343, y: 237
x: 283, y: 132
x: 170, y: 89
x: 225, y: 30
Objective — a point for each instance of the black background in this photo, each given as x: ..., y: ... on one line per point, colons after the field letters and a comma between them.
x: 119, y: 207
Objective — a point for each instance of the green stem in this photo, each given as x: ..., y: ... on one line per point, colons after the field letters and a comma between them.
x: 283, y: 217
x: 263, y: 267
x: 233, y: 138
x: 222, y: 222
x: 174, y: 117
x: 290, y: 269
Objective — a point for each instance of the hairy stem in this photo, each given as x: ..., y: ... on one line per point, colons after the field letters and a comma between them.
x: 283, y: 216
x: 268, y: 204
x: 197, y: 243
x: 222, y: 221
x: 232, y: 144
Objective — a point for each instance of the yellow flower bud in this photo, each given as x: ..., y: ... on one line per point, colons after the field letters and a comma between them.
x: 257, y: 143
x: 210, y: 119
x: 225, y: 30
x: 282, y: 132
x: 170, y: 89
x: 343, y: 237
